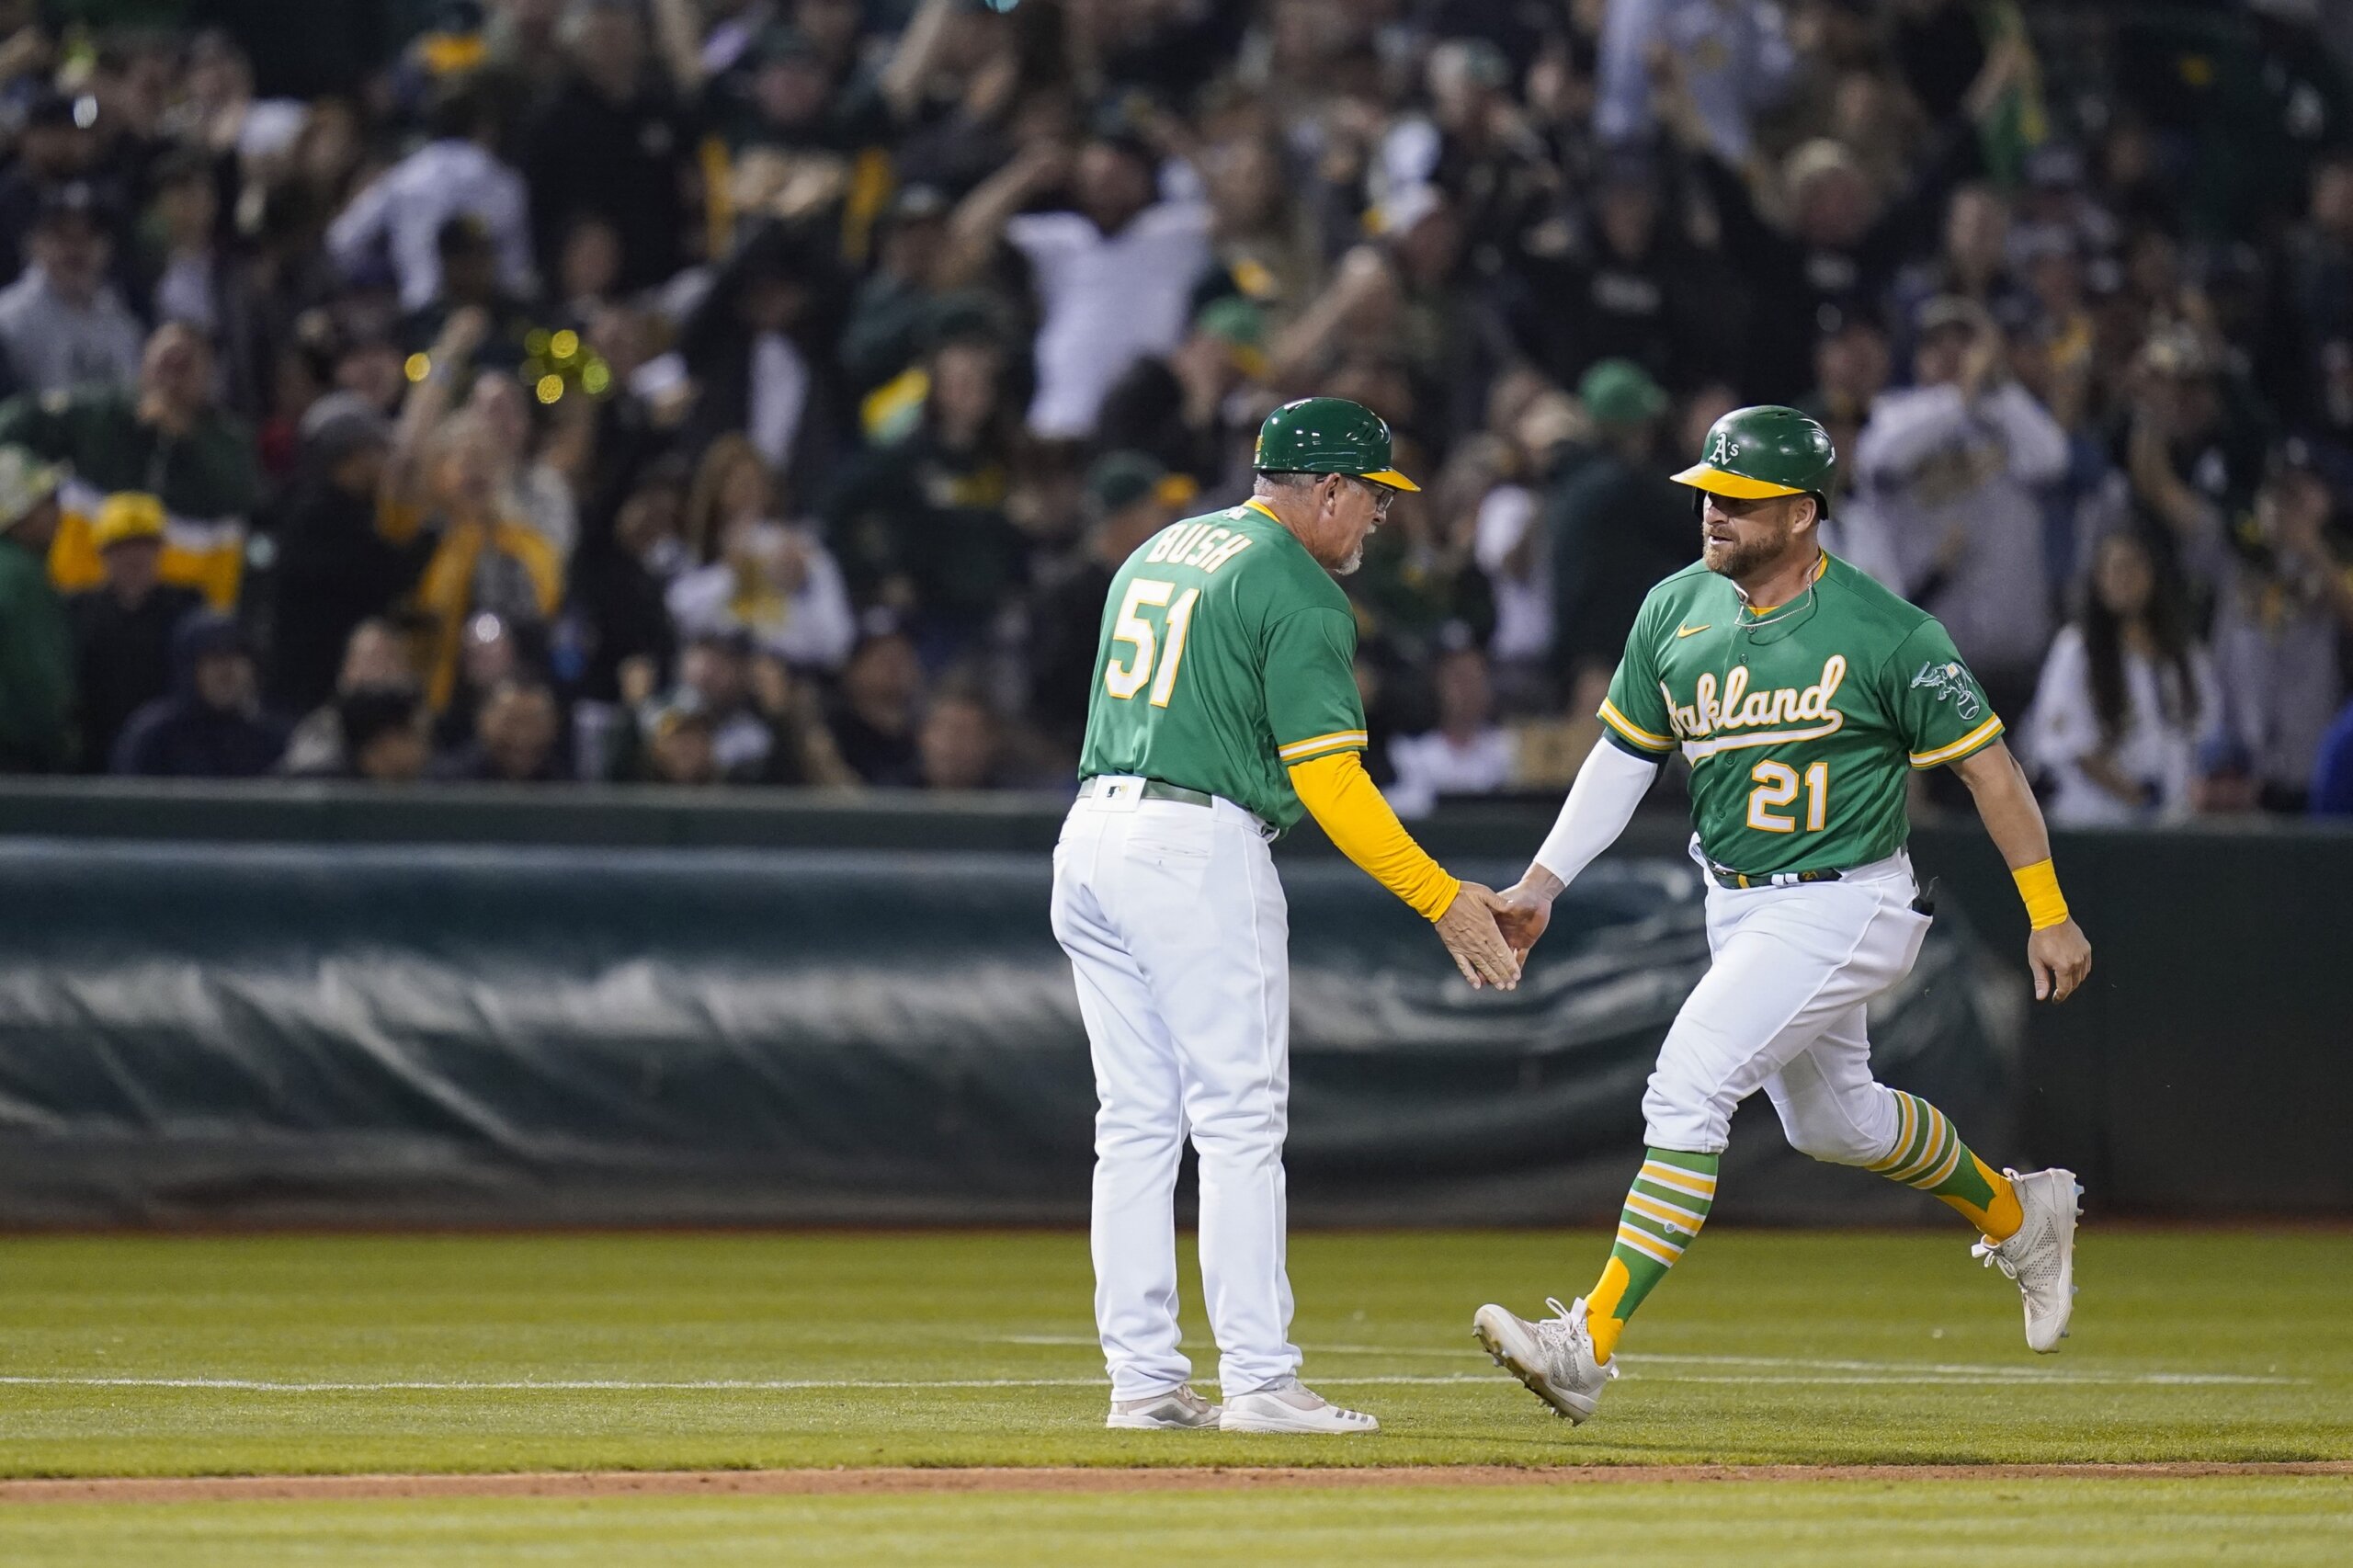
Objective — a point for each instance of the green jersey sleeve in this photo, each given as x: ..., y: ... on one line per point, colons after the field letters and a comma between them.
x: 1634, y: 714
x: 1311, y: 685
x: 1940, y: 708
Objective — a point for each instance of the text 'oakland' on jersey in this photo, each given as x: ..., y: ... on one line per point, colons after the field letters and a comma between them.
x: 1803, y: 721
x: 1227, y: 655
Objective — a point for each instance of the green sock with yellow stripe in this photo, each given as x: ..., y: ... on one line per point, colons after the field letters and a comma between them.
x: 1665, y: 1209
x: 1929, y: 1155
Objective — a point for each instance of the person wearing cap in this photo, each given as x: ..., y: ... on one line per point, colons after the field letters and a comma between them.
x: 122, y: 629
x: 36, y: 641
x: 1113, y: 271
x: 1129, y: 497
x: 1223, y: 708
x: 1952, y: 468
x: 62, y: 323
x: 1802, y: 694
x: 1615, y: 526
x: 1175, y: 407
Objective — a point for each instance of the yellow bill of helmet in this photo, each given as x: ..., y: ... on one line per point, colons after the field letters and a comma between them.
x: 1392, y: 477
x: 1739, y: 486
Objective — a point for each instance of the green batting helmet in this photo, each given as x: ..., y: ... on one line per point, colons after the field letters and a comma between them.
x: 1328, y: 434
x: 1767, y: 451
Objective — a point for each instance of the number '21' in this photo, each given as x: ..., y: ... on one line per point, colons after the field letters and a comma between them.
x: 1777, y: 785
x: 1123, y: 677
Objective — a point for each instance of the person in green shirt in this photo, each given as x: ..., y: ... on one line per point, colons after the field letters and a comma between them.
x: 1223, y: 708
x: 1803, y: 695
x: 36, y: 641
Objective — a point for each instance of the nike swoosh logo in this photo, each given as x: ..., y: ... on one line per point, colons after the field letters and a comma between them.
x: 1689, y: 630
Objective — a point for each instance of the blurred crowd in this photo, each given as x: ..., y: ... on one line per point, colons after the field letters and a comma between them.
x: 728, y: 391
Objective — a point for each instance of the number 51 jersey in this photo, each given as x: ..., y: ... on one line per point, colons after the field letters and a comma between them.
x: 1801, y: 721
x: 1227, y: 655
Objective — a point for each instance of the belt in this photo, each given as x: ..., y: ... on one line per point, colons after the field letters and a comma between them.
x: 1154, y: 789
x: 1726, y: 877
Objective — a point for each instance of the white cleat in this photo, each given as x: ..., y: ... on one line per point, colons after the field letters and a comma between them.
x: 2042, y: 1255
x: 1178, y: 1410
x: 1554, y: 1358
x: 1290, y: 1406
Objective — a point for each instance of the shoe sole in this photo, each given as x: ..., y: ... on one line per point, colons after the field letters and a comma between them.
x: 1146, y: 1424
x: 1496, y: 1337
x: 2067, y: 1219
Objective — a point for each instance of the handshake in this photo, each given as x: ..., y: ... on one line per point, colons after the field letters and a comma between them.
x: 1489, y: 933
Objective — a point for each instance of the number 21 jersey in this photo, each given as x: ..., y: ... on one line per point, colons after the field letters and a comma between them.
x: 1801, y: 722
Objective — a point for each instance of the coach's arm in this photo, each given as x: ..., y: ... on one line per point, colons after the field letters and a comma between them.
x: 1348, y: 806
x: 2056, y: 951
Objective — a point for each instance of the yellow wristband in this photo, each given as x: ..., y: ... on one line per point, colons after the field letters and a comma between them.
x: 2039, y: 884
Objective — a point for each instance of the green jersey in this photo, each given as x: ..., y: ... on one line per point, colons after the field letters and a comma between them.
x: 1227, y: 655
x: 1800, y: 722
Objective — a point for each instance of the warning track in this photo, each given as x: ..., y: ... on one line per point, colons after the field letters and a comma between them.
x: 905, y: 1481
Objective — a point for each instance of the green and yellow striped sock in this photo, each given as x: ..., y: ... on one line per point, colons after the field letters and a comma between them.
x: 1929, y: 1155
x: 1665, y: 1209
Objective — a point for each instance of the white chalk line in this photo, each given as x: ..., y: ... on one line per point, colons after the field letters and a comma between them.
x: 1885, y: 1373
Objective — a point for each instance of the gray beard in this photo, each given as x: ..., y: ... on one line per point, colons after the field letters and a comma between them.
x: 1355, y: 559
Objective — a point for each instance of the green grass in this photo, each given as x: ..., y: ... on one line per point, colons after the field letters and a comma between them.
x: 2042, y: 1524
x: 1762, y: 1347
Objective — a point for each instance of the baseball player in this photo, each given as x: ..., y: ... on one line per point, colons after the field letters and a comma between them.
x: 1224, y: 702
x: 1802, y: 693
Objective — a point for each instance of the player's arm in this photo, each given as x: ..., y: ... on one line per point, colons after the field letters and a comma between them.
x: 1944, y: 718
x: 1348, y: 806
x: 2056, y: 950
x: 1318, y: 724
x: 1616, y: 774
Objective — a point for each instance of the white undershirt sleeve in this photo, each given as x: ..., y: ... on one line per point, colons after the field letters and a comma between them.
x: 1600, y: 803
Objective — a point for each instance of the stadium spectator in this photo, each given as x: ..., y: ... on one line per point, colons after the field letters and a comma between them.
x: 335, y: 568
x: 62, y: 324
x: 398, y: 219
x: 122, y: 629
x: 1467, y: 754
x: 1129, y: 497
x: 613, y: 141
x: 1615, y: 526
x: 516, y: 731
x: 772, y: 580
x: 679, y: 743
x: 1950, y: 468
x: 36, y: 642
x: 381, y: 729
x: 957, y: 746
x: 2127, y: 700
x: 1113, y: 271
x: 168, y: 437
x: 924, y: 521
x: 874, y: 721
x: 1735, y: 61
x: 376, y: 657
x: 211, y: 726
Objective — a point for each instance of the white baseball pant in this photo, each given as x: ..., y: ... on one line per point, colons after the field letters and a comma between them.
x: 1176, y: 932
x: 1783, y: 1009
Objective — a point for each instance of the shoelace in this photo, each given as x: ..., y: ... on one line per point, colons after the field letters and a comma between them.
x: 1990, y: 1254
x: 1562, y: 1332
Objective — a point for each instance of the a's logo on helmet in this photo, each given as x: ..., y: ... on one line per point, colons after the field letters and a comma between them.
x: 1725, y: 449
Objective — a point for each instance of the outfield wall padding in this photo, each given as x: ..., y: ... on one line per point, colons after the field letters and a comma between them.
x: 251, y: 1033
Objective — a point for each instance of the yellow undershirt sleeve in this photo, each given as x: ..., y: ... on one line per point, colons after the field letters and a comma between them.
x: 1348, y: 806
